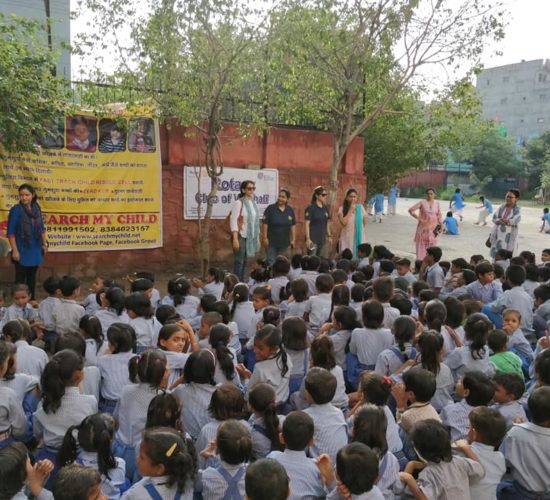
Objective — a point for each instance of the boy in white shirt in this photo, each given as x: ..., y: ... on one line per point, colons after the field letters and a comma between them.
x: 318, y: 308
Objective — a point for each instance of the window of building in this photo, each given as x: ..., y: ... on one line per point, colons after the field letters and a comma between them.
x: 505, y: 79
x: 488, y: 81
x: 542, y: 77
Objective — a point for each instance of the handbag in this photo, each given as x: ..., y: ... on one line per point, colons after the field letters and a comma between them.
x: 488, y: 242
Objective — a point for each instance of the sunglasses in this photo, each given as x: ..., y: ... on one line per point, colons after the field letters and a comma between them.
x: 323, y: 194
x: 250, y: 188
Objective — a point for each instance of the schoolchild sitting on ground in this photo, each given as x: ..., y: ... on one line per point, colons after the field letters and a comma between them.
x: 502, y: 359
x: 431, y: 271
x: 266, y: 478
x: 344, y: 321
x: 45, y: 309
x: 509, y: 389
x: 21, y: 308
x: 112, y: 308
x: 67, y: 314
x: 318, y: 309
x: 542, y: 309
x: 142, y: 320
x: 485, y: 289
x: 179, y: 296
x: 382, y: 291
x: 296, y: 344
x: 391, y: 360
x: 516, y: 339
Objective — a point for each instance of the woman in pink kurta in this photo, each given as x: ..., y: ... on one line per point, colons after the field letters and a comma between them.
x: 428, y: 214
x: 353, y: 219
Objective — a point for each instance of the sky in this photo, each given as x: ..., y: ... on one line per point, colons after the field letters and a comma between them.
x: 526, y: 37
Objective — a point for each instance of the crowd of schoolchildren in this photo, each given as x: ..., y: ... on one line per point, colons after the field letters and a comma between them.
x: 367, y: 378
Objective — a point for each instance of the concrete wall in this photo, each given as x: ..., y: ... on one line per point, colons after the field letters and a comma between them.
x: 303, y: 158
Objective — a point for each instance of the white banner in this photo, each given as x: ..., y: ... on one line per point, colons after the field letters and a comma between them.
x: 267, y: 188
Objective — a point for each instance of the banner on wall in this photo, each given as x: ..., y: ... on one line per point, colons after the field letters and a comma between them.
x: 267, y: 188
x: 99, y: 182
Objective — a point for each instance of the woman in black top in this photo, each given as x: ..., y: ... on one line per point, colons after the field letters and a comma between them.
x: 317, y: 218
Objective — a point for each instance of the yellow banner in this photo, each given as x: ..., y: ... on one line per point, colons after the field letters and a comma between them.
x: 99, y: 183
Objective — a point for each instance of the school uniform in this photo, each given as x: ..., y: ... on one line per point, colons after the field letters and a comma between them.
x: 91, y: 382
x: 435, y: 276
x: 188, y: 309
x: 51, y: 427
x: 131, y: 414
x: 303, y: 474
x: 30, y: 359
x: 299, y: 367
x: 43, y: 495
x: 195, y: 399
x: 114, y: 377
x: 449, y: 344
x: 221, y: 482
x: 110, y: 486
x: 109, y: 316
x: 147, y: 331
x: 390, y: 360
x: 219, y: 375
x: 175, y: 362
x: 310, y: 277
x: 13, y: 421
x: 206, y: 435
x: 294, y: 273
x: 455, y: 416
x: 449, y: 480
x: 269, y: 371
x: 416, y: 412
x: 373, y: 494
x: 451, y: 226
x: 511, y: 411
x: 277, y: 284
x: 66, y: 316
x: 518, y: 343
x: 155, y: 298
x: 297, y: 308
x: 213, y: 288
x: 461, y: 361
x: 388, y: 476
x: 93, y: 352
x: 253, y: 327
x: 45, y: 312
x: 244, y: 312
x: 331, y: 432
x: 445, y: 386
x: 515, y: 298
x: 368, y: 343
x: 234, y: 342
x: 390, y: 315
x: 27, y: 312
x: 90, y: 304
x: 319, y: 311
x: 486, y: 293
x: 21, y: 384
x: 494, y: 464
x: 261, y: 444
x: 340, y: 340
x: 156, y: 488
x: 526, y: 448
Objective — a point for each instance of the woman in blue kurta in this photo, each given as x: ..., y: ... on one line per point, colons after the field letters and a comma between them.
x: 27, y: 237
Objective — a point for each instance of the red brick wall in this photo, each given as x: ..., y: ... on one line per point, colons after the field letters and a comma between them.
x: 303, y: 158
x: 425, y: 179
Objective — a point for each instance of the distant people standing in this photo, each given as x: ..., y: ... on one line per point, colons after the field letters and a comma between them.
x: 317, y: 217
x: 486, y: 210
x: 278, y: 231
x: 506, y: 220
x: 545, y: 221
x: 392, y: 199
x: 353, y: 218
x: 378, y: 207
x: 456, y: 204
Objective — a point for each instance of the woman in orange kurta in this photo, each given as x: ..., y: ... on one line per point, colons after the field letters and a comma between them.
x: 428, y: 214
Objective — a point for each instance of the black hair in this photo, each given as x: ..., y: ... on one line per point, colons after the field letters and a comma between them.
x: 94, y: 434
x: 148, y: 368
x: 476, y: 258
x: 240, y: 294
x: 503, y: 254
x: 262, y: 292
x: 234, y: 442
x: 166, y: 332
x: 435, y: 252
x: 515, y: 275
x: 273, y: 337
x: 542, y: 292
x: 294, y: 331
x: 59, y: 373
x: 531, y: 272
x: 419, y: 286
x: 344, y: 264
x: 544, y: 273
x: 445, y: 265
x: 421, y: 383
x: 346, y: 254
x: 12, y: 352
x: 207, y: 301
x: 266, y: 479
x: 402, y: 304
x: 139, y: 303
x: 432, y: 441
x: 368, y: 271
x: 51, y: 284
x: 299, y: 289
x: 357, y: 467
x: 180, y: 463
x: 375, y: 388
x: 122, y: 337
x: 141, y: 285
x: 404, y: 329
x: 369, y: 427
x: 166, y: 313
x: 430, y: 344
x: 373, y: 314
x: 229, y: 282
x: 163, y: 411
x: 539, y: 406
x: 460, y: 263
x: 511, y: 382
x: 542, y: 367
x: 358, y: 277
x: 216, y: 273
x: 477, y: 327
x: 271, y: 315
x: 17, y: 329
x: 73, y: 341
x: 489, y: 424
x: 211, y: 318
x: 480, y: 387
x: 91, y: 328
x: 324, y: 283
x: 427, y: 295
x: 298, y: 429
x: 75, y: 482
x: 386, y: 266
x: 68, y: 285
x: 200, y: 368
x: 381, y: 252
x: 339, y: 297
x: 243, y: 186
x: 296, y: 260
x: 179, y: 288
x: 116, y: 299
x: 219, y: 339
x: 281, y: 266
x: 222, y: 307
x: 364, y: 248
x: 357, y: 292
x: 322, y: 353
x: 346, y: 316
x: 435, y: 314
x: 528, y: 256
x: 13, y: 469
x: 262, y: 400
x: 320, y: 385
x: 227, y: 402
x: 383, y: 289
x: 469, y: 276
x: 455, y: 312
x: 497, y: 340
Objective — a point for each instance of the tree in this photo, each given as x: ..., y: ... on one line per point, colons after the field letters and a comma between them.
x: 32, y: 97
x: 189, y: 58
x: 537, y: 160
x: 342, y: 63
x: 495, y: 156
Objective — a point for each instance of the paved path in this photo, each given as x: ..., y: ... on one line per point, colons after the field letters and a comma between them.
x: 397, y: 232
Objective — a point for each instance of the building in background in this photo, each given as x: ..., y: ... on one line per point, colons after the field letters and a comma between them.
x: 517, y: 97
x: 60, y: 24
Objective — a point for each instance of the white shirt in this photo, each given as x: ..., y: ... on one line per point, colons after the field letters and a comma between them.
x: 269, y: 371
x: 495, y: 466
x: 368, y: 343
x: 30, y: 360
x: 114, y: 374
x: 66, y: 317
